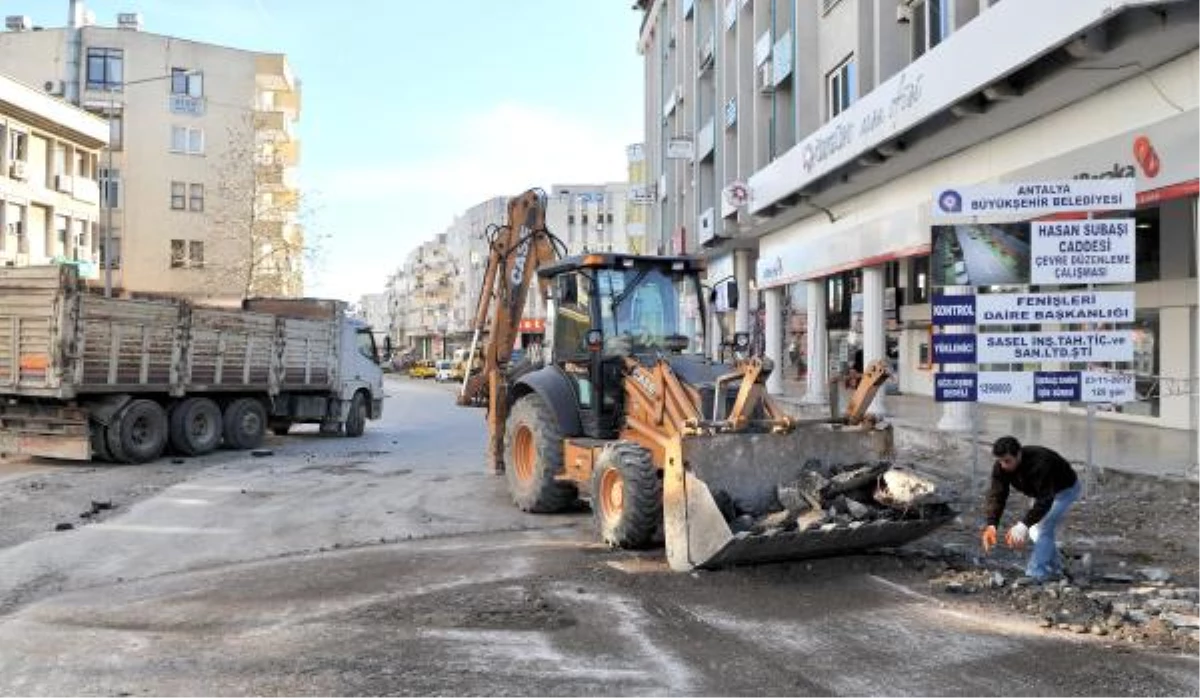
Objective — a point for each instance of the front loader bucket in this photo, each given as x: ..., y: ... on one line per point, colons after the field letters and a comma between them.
x: 744, y: 471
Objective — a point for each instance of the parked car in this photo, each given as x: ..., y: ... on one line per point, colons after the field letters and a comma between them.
x: 423, y: 368
x: 445, y: 371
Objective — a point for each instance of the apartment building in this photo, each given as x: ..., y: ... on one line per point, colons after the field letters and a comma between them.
x: 198, y: 184
x: 797, y: 144
x: 49, y: 195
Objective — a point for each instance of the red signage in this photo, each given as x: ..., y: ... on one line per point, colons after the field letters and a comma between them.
x: 532, y: 326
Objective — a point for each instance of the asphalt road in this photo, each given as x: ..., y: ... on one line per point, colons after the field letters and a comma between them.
x: 391, y: 564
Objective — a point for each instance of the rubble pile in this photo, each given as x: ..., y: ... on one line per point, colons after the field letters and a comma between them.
x: 1143, y: 609
x: 829, y: 497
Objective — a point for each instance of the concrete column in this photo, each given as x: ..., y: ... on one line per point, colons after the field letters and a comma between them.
x: 773, y: 300
x: 874, y: 338
x: 743, y: 272
x: 957, y: 416
x: 817, y: 390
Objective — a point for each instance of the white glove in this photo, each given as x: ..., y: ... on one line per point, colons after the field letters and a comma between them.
x: 1034, y: 532
x: 1016, y: 535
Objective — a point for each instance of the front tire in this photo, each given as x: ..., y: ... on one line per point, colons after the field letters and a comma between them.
x: 533, y: 456
x: 245, y: 422
x: 196, y: 426
x: 138, y: 433
x: 627, y: 496
x: 356, y: 421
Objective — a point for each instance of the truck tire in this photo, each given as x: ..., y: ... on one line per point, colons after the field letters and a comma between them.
x: 245, y: 422
x: 195, y: 426
x: 356, y: 420
x: 138, y: 433
x: 99, y: 438
x: 533, y: 456
x: 627, y: 496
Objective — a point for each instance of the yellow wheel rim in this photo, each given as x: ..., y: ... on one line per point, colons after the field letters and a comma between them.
x: 612, y: 494
x: 524, y: 453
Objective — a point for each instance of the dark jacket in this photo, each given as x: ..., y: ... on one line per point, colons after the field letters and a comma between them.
x: 1041, y: 474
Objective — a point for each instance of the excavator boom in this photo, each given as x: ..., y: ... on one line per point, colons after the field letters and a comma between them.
x: 515, y: 251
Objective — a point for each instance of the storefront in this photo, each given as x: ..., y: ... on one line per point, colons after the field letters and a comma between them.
x: 878, y: 248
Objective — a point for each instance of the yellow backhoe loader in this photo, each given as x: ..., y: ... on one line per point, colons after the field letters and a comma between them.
x: 625, y: 411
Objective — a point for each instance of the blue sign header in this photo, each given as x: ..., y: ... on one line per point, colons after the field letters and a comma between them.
x: 950, y: 309
x: 953, y: 348
x: 955, y: 387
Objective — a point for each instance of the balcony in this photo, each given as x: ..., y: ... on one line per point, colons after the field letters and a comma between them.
x: 276, y: 177
x: 274, y: 122
x: 272, y: 72
x: 87, y: 191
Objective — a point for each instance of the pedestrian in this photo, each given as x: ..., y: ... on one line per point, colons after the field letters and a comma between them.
x: 1048, y: 478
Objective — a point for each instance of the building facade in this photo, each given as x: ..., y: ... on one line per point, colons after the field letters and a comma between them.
x: 197, y: 186
x: 798, y: 145
x: 49, y: 195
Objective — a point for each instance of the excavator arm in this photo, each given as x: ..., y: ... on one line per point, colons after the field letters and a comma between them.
x: 515, y: 251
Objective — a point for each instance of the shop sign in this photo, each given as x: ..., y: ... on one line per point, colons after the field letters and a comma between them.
x: 1035, y: 386
x: 1018, y: 200
x: 680, y: 148
x: 1033, y: 308
x: 1033, y: 347
x: 1091, y: 251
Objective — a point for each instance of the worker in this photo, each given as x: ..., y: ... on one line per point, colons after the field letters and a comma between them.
x: 1048, y: 478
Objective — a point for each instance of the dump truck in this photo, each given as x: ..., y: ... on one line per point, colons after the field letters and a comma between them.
x: 623, y: 410
x: 83, y: 376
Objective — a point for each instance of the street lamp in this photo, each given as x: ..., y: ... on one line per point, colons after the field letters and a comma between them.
x: 108, y: 163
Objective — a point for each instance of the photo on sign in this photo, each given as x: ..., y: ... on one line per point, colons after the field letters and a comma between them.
x: 980, y: 255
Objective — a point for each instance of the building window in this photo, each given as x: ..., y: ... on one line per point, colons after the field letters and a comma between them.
x: 18, y: 146
x: 178, y: 254
x: 114, y: 243
x: 196, y: 197
x: 196, y: 253
x: 178, y: 196
x: 918, y: 280
x: 840, y: 87
x: 110, y: 187
x: 105, y: 68
x: 185, y: 82
x: 187, y: 140
x: 930, y: 24
x: 116, y: 130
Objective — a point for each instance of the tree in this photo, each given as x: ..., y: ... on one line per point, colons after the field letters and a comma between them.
x: 261, y: 243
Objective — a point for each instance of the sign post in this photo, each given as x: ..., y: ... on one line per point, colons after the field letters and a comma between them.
x: 967, y: 253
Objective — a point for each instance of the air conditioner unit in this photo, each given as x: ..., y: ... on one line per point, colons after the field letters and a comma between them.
x: 18, y: 23
x: 62, y: 183
x: 54, y: 87
x: 16, y: 170
x: 766, y: 79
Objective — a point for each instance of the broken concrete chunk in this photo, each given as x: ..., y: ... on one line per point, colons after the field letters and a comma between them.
x: 780, y: 520
x: 1116, y: 578
x: 1155, y: 574
x: 857, y: 476
x: 790, y: 497
x: 902, y: 489
x: 857, y: 510
x: 810, y: 519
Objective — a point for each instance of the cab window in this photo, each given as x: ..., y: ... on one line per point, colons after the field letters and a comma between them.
x: 366, y: 345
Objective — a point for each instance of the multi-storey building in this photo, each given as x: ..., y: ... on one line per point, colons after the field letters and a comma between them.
x: 198, y: 187
x: 798, y: 144
x: 49, y: 196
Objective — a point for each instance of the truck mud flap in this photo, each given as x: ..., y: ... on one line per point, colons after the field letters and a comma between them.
x: 737, y: 476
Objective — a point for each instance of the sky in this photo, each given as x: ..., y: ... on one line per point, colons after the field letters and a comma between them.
x: 415, y: 110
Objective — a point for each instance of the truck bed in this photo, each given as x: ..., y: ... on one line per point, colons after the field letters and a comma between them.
x: 59, y: 341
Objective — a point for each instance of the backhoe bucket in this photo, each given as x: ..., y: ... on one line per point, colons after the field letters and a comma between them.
x: 723, y: 507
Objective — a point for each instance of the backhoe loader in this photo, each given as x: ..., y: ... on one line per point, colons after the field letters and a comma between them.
x: 623, y: 410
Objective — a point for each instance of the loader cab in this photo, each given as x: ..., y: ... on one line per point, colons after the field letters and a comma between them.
x: 609, y: 307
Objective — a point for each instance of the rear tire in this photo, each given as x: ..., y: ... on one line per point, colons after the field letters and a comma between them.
x: 138, y: 433
x: 245, y: 422
x: 627, y: 496
x: 196, y: 426
x: 533, y: 456
x: 356, y: 421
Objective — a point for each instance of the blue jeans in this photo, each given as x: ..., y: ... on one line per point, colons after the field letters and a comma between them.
x: 1043, y: 561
